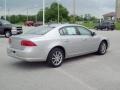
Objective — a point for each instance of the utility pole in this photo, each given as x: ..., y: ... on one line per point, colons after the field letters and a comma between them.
x: 27, y: 14
x: 5, y: 9
x: 58, y: 11
x: 74, y: 10
x: 43, y: 12
x: 9, y: 15
x: 0, y: 14
x: 74, y: 7
x: 117, y: 10
x: 36, y: 18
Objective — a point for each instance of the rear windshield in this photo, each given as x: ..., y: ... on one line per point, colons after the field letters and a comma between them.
x: 40, y: 30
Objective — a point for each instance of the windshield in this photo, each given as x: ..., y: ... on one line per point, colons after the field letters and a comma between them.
x: 40, y: 30
x: 5, y: 22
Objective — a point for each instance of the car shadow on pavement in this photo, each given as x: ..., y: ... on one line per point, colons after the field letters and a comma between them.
x: 43, y: 65
x: 29, y: 65
x: 85, y: 57
x: 79, y: 58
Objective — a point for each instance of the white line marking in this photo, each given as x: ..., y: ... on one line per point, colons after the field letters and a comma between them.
x: 75, y: 79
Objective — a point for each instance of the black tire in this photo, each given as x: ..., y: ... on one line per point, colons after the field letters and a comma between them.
x: 108, y: 28
x: 55, y: 62
x: 101, y: 29
x: 112, y: 29
x: 102, y: 48
x: 8, y: 34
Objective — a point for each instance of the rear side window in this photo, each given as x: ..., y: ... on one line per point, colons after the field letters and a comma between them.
x: 40, y: 30
x: 68, y: 31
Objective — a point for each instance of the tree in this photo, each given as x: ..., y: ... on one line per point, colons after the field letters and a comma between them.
x: 88, y: 17
x: 51, y: 13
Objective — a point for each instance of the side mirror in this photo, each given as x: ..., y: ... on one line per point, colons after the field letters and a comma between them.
x: 93, y: 33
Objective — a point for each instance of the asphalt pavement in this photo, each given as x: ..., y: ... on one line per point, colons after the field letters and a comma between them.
x: 89, y: 72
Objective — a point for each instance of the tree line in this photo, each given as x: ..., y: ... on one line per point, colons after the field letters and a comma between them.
x: 51, y: 15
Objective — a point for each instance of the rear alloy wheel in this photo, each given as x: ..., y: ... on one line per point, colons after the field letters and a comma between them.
x: 102, y: 48
x: 7, y: 34
x: 55, y: 57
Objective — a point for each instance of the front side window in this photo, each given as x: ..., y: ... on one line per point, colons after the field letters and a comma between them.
x: 68, y: 31
x: 84, y: 31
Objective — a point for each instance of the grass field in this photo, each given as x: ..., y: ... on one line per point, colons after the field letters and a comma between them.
x: 118, y: 25
x: 89, y: 24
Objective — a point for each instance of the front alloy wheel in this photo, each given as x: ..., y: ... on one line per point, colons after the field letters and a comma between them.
x: 102, y: 48
x: 56, y: 57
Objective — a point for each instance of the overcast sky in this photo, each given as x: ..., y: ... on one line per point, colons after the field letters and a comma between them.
x: 94, y: 7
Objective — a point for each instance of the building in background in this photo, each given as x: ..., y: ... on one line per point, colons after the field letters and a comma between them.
x: 113, y: 15
x: 117, y: 9
x: 109, y: 16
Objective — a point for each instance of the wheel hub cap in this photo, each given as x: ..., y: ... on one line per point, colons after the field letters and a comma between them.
x: 57, y: 58
x: 103, y: 48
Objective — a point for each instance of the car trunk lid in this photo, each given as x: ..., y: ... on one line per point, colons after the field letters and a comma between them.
x: 15, y: 41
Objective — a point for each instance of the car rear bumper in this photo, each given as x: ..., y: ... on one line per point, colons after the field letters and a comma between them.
x: 25, y: 55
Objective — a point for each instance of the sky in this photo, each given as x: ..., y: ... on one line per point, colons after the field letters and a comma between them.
x: 94, y: 7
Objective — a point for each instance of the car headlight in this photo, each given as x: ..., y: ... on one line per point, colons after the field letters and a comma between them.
x: 13, y: 28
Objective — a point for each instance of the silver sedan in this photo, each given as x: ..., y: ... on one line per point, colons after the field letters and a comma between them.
x: 55, y: 43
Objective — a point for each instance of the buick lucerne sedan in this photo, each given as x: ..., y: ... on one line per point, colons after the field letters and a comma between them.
x: 55, y: 43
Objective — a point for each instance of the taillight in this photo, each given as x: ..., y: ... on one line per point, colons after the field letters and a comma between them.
x: 9, y: 40
x: 27, y: 43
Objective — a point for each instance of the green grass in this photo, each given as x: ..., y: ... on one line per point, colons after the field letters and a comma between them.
x: 117, y: 25
x: 89, y: 24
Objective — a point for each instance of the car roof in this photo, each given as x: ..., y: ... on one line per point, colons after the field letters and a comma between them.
x: 62, y: 25
x: 58, y: 26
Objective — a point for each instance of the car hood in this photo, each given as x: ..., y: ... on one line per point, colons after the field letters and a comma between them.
x: 14, y: 25
x: 8, y: 25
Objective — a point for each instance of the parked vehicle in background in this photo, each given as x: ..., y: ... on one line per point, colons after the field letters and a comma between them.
x: 32, y: 23
x: 36, y: 24
x: 8, y: 29
x: 54, y: 43
x: 29, y: 23
x: 108, y: 25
